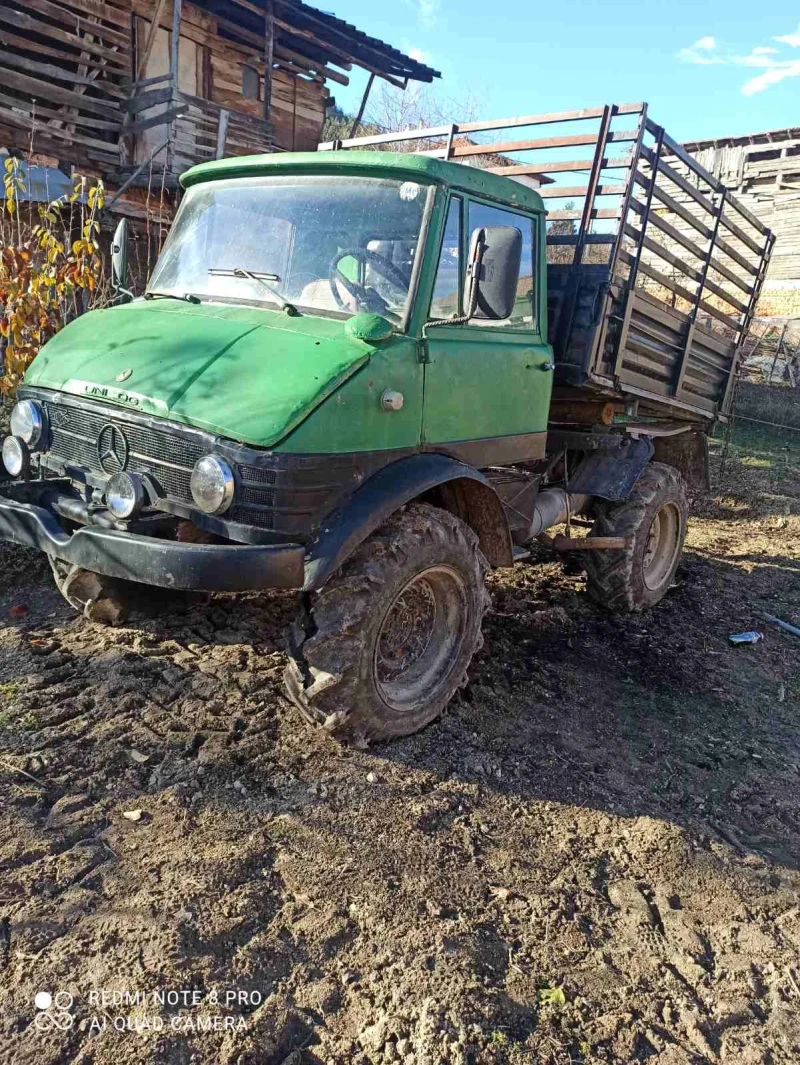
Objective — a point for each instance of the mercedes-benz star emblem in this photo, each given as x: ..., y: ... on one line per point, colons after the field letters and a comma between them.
x: 112, y: 449
x: 123, y: 375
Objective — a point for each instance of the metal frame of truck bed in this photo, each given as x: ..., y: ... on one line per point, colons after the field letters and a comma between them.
x: 650, y: 296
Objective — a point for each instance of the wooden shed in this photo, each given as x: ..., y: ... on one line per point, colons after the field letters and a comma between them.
x: 763, y: 171
x: 127, y: 88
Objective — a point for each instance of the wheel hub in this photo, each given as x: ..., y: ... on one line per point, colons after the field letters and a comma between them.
x: 407, y: 630
x: 662, y: 546
x: 419, y: 637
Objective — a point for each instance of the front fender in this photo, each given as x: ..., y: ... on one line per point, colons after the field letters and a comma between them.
x: 470, y: 496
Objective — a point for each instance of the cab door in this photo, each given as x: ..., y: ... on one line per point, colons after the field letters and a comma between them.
x: 487, y: 383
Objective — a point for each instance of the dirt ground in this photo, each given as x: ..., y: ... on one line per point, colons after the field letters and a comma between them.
x: 593, y: 857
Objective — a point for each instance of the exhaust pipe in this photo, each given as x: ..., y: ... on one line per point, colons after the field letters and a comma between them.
x: 552, y: 507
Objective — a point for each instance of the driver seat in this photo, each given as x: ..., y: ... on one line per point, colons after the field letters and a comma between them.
x: 318, y: 294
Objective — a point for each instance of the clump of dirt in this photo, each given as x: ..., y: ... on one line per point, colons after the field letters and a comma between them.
x: 593, y: 857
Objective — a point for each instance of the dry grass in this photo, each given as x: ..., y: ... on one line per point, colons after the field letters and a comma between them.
x: 778, y: 404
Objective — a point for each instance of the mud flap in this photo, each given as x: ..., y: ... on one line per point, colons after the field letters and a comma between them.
x: 687, y: 452
x: 611, y: 475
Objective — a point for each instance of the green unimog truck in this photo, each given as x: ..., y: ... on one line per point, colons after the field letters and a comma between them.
x: 370, y: 376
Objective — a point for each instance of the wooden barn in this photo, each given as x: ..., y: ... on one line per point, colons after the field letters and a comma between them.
x: 129, y: 89
x: 763, y: 171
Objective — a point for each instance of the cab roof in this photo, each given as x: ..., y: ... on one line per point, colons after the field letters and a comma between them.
x: 420, y: 167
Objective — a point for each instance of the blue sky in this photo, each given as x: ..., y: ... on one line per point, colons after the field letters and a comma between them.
x: 706, y: 69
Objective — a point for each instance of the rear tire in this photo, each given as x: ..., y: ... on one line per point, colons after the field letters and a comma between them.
x: 379, y: 652
x: 654, y: 518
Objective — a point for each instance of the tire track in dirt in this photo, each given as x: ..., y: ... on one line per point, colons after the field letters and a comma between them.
x: 593, y: 857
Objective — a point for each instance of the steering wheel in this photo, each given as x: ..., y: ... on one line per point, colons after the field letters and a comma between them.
x: 360, y: 293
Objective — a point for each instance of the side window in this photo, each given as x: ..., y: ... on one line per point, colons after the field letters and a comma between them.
x: 524, y: 314
x: 250, y: 83
x: 446, y: 287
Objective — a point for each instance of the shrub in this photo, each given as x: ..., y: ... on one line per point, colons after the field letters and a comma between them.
x: 50, y: 267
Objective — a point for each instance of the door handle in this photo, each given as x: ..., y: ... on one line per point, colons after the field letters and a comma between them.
x: 391, y: 400
x: 547, y: 366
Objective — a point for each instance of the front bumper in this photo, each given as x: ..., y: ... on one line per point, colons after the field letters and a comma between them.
x: 165, y: 563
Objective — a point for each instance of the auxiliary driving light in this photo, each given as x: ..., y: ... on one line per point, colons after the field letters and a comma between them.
x: 125, y: 495
x: 212, y: 484
x: 16, y: 457
x: 28, y: 421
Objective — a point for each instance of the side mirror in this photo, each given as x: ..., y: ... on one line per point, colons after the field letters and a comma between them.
x: 119, y: 257
x: 495, y: 254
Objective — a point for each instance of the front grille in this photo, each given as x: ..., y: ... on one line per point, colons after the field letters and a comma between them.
x: 283, y: 494
x: 168, y: 457
x: 263, y: 518
x: 257, y: 475
x: 257, y: 496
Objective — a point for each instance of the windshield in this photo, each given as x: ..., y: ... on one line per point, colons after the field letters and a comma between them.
x: 322, y: 243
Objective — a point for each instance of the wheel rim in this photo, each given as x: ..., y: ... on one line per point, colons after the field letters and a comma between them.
x: 661, y: 549
x: 419, y: 638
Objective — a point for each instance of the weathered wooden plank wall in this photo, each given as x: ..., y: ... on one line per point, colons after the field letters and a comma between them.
x: 66, y: 71
x: 299, y: 95
x: 136, y: 91
x: 766, y: 178
x: 64, y: 76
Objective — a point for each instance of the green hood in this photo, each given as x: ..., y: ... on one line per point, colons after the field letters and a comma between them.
x: 246, y: 373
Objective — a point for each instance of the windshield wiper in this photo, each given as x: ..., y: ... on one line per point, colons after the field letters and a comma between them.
x: 187, y: 297
x: 239, y: 271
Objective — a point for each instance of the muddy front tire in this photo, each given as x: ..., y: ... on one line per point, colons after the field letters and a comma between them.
x: 382, y: 648
x: 653, y: 518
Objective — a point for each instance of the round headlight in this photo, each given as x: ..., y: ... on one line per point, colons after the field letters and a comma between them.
x: 16, y: 457
x: 212, y: 484
x: 125, y: 495
x: 27, y: 421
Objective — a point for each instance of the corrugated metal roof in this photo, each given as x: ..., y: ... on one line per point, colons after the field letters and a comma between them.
x: 372, y: 52
x: 423, y: 72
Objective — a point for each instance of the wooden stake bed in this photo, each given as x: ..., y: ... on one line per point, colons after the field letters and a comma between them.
x: 654, y: 267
